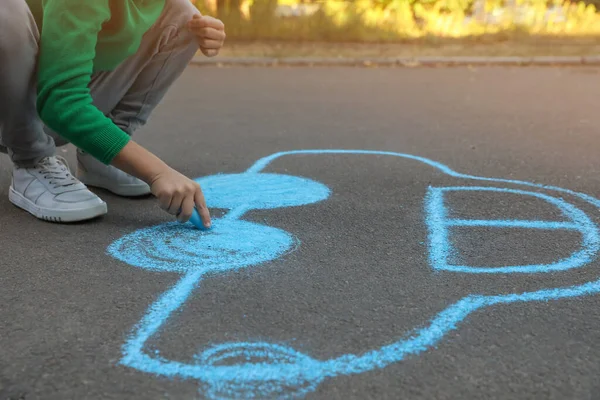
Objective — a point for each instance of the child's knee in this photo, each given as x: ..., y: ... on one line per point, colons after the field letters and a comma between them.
x: 19, y: 32
x: 11, y: 37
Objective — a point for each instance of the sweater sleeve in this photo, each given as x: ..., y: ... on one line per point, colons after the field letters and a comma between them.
x: 66, y: 61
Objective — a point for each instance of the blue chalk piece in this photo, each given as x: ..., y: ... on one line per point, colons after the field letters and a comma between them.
x: 196, y: 220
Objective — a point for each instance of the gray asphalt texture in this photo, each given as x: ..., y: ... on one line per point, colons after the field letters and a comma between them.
x: 360, y: 278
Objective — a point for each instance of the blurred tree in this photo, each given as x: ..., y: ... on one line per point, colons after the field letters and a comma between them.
x: 221, y: 8
x: 263, y: 10
x: 389, y: 20
x: 229, y: 11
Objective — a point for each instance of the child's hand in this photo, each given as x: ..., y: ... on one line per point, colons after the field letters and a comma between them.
x: 210, y: 34
x: 178, y: 195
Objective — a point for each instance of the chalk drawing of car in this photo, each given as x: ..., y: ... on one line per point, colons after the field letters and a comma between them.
x: 244, y: 370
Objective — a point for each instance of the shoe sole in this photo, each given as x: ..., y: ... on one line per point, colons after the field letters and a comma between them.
x: 48, y: 214
x: 119, y: 190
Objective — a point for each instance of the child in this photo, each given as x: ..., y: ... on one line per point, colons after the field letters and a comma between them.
x: 90, y: 72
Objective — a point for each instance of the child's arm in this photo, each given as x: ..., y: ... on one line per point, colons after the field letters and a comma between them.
x: 176, y: 193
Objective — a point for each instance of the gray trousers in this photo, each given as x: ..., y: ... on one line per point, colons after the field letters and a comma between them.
x: 127, y: 95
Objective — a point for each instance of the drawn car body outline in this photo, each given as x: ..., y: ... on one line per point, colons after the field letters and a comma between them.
x: 279, y: 368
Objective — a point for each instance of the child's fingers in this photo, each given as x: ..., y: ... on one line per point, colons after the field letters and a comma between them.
x: 211, y: 33
x: 164, y: 201
x: 209, y: 52
x: 208, y: 44
x: 202, y: 209
x: 187, y: 207
x: 175, y: 205
x: 199, y: 22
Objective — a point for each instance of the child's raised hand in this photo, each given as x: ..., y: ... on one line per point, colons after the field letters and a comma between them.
x: 210, y: 34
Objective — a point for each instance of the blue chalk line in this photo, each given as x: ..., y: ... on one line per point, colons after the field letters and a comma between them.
x: 440, y: 248
x: 249, y: 370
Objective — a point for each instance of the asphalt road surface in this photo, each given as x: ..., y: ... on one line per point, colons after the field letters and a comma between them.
x: 329, y: 275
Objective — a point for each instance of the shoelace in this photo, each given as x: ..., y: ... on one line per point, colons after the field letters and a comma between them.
x: 56, y: 171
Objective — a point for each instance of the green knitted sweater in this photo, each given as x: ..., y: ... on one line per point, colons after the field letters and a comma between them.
x: 78, y: 38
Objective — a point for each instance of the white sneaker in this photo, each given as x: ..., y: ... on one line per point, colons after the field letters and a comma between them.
x: 50, y: 192
x: 94, y: 173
